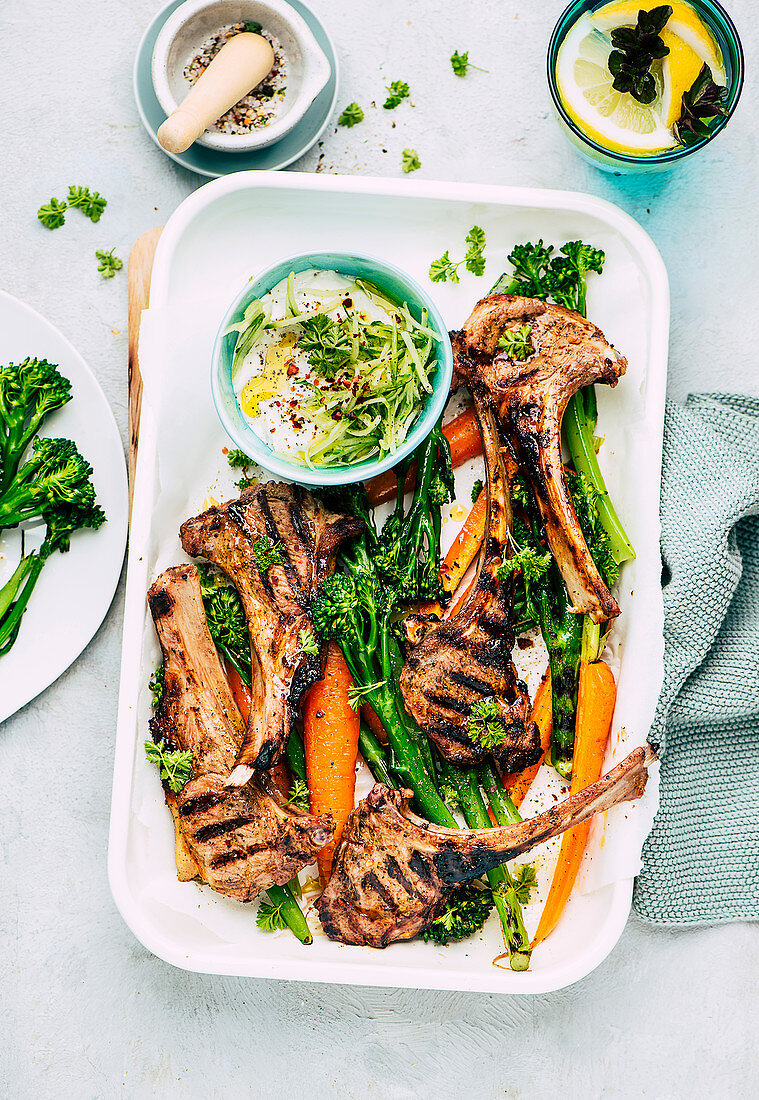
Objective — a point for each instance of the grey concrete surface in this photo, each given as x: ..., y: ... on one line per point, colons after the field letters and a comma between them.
x: 86, y: 1010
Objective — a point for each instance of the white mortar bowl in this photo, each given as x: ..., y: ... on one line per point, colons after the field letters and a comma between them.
x: 192, y: 23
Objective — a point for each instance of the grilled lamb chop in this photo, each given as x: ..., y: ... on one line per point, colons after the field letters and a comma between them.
x: 240, y: 840
x: 462, y: 660
x: 394, y: 871
x: 277, y: 601
x: 531, y: 397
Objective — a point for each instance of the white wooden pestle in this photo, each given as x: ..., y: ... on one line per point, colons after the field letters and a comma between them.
x: 240, y: 65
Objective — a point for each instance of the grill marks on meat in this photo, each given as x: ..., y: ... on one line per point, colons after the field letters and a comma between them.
x: 239, y: 840
x: 462, y: 660
x: 276, y: 601
x: 394, y: 871
x: 530, y: 397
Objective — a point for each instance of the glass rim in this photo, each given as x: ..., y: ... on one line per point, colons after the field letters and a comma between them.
x: 679, y: 151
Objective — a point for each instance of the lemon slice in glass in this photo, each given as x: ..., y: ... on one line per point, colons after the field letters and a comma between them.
x: 614, y: 120
x: 684, y: 22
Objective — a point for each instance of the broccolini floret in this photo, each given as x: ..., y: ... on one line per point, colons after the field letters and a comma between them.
x: 465, y: 913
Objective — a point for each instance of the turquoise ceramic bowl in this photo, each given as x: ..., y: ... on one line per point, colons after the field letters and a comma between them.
x: 396, y: 285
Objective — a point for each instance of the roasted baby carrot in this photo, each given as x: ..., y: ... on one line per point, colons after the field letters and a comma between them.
x: 596, y: 696
x: 463, y: 437
x: 466, y: 545
x: 331, y: 741
x: 519, y: 783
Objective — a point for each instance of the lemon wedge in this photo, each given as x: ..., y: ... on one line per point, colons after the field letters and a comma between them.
x: 684, y: 22
x: 680, y: 68
x: 614, y: 120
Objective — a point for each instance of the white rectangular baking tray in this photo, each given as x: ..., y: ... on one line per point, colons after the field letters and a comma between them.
x: 213, y: 243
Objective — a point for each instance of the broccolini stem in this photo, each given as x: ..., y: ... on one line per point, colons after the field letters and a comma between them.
x: 10, y: 623
x: 562, y: 634
x: 501, y: 883
x: 501, y: 803
x: 282, y: 897
x: 296, y: 756
x: 579, y: 438
x: 374, y: 756
x: 11, y: 586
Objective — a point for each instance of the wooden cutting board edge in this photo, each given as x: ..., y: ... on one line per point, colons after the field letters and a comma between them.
x: 139, y: 273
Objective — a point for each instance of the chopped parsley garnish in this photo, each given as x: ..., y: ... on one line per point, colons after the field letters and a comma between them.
x: 527, y: 561
x: 485, y: 725
x: 410, y: 160
x: 299, y: 794
x: 351, y: 116
x: 108, y: 264
x: 445, y: 270
x: 52, y: 214
x: 238, y: 460
x: 475, y: 254
x: 269, y: 918
x: 252, y: 27
x: 176, y: 766
x: 356, y: 694
x: 517, y: 345
x: 460, y: 63
x: 91, y: 203
x: 155, y: 684
x: 308, y: 642
x: 525, y: 880
x: 266, y: 553
x: 398, y: 91
x: 327, y: 345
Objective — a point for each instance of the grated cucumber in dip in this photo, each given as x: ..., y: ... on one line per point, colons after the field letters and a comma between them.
x: 329, y: 371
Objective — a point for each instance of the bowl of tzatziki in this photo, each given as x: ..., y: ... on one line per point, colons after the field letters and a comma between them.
x: 330, y: 368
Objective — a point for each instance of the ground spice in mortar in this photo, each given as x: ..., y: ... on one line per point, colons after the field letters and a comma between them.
x: 259, y: 107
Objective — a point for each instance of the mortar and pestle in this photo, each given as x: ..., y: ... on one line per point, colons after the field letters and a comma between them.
x: 241, y: 64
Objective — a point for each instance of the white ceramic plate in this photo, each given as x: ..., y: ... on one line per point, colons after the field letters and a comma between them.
x: 75, y: 589
x: 219, y: 237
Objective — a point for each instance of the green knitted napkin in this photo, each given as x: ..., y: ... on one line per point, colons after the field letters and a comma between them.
x: 701, y: 860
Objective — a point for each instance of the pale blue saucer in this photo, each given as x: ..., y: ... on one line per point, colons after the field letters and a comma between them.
x: 211, y: 162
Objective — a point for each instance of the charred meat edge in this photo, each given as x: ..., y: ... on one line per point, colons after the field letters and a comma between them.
x: 472, y: 649
x: 241, y: 840
x: 531, y: 407
x: 279, y: 596
x: 394, y: 871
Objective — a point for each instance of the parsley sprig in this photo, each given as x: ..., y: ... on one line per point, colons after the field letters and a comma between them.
x: 155, y: 685
x: 410, y: 160
x: 108, y: 264
x: 398, y: 91
x: 266, y: 553
x: 517, y: 345
x: 351, y: 116
x: 524, y: 881
x: 299, y: 794
x: 485, y: 725
x: 308, y: 642
x: 52, y: 214
x: 445, y: 269
x: 176, y: 766
x: 91, y: 203
x: 461, y: 64
x: 270, y: 918
x: 327, y: 344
